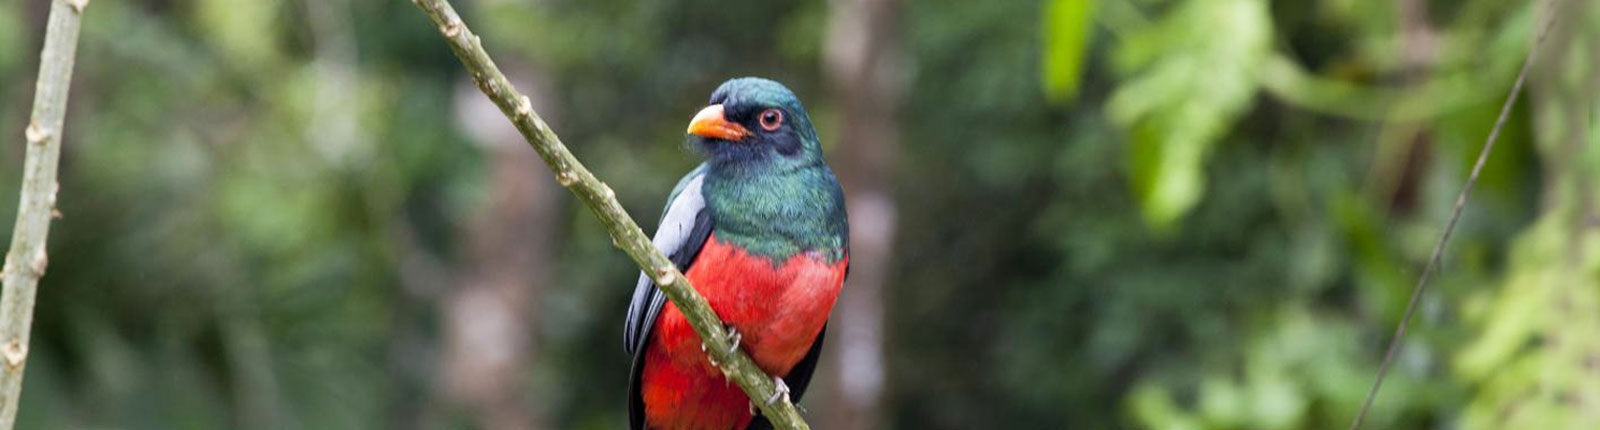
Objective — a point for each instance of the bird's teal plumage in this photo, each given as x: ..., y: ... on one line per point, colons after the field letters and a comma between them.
x: 773, y: 195
x: 777, y: 215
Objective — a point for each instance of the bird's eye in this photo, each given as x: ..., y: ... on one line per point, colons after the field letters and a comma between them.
x: 771, y: 119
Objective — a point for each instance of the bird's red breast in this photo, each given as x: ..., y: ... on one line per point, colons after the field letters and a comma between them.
x: 777, y: 307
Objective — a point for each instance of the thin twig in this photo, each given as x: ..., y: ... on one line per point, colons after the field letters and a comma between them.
x: 26, y: 261
x: 1455, y: 215
x: 625, y: 233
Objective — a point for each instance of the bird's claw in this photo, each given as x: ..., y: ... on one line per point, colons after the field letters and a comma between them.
x: 711, y: 358
x: 753, y: 411
x: 733, y: 339
x: 781, y: 392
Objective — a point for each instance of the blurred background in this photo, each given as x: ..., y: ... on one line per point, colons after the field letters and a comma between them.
x: 1099, y: 214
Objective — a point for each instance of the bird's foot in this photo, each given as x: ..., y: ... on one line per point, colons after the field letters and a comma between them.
x: 712, y: 358
x: 781, y: 393
x: 754, y: 411
x: 733, y: 339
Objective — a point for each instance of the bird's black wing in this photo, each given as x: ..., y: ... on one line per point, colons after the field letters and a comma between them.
x: 798, y: 379
x: 684, y: 228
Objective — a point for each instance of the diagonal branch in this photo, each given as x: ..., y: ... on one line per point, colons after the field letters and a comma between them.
x: 625, y: 233
x: 1450, y: 226
x: 26, y: 261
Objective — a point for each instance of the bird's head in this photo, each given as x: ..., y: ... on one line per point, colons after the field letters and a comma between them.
x: 752, y: 122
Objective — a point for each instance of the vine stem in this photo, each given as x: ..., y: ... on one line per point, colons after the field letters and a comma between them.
x: 625, y: 233
x: 1455, y: 215
x: 26, y: 261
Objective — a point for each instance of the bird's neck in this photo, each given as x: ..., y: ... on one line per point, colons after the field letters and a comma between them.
x: 777, y: 214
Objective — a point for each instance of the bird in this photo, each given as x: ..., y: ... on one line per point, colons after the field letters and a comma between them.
x: 760, y: 230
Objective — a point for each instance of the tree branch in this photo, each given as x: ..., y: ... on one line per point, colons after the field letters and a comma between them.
x: 625, y: 233
x: 26, y: 261
x: 1396, y: 341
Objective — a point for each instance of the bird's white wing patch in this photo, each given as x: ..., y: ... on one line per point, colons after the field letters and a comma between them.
x: 679, y: 218
x: 677, y: 225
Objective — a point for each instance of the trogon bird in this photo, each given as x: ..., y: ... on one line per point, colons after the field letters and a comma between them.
x: 759, y: 229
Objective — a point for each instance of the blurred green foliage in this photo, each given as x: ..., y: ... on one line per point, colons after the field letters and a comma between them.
x: 1065, y: 35
x: 1165, y: 214
x: 1192, y: 74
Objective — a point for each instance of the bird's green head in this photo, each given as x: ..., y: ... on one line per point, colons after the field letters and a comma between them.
x: 755, y: 123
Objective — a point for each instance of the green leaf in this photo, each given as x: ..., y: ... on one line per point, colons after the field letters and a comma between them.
x: 243, y: 32
x: 1152, y: 407
x: 1067, y: 35
x: 1193, y: 74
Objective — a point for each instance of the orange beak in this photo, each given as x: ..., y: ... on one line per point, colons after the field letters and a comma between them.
x: 712, y: 124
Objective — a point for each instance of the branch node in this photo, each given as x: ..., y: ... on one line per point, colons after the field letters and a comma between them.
x: 15, y: 353
x: 36, y: 134
x: 566, y: 178
x: 524, y: 107
x: 452, y: 28
x: 488, y: 85
x: 664, y: 276
x: 40, y: 262
x: 78, y: 5
x: 55, y: 213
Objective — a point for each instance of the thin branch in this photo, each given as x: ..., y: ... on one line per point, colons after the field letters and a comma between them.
x: 1455, y: 215
x: 26, y: 261
x: 625, y: 233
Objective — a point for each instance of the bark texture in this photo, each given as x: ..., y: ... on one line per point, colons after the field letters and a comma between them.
x: 26, y: 261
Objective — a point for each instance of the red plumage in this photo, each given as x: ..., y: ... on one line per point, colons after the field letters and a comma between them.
x: 777, y: 307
